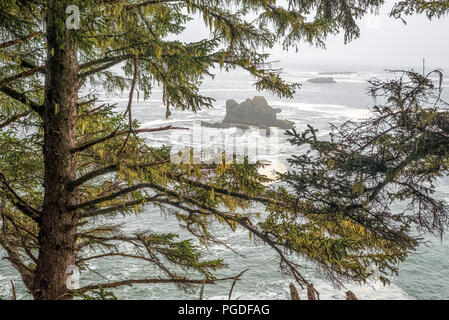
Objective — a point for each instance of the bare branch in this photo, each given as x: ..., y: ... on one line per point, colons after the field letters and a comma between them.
x: 115, y: 61
x: 82, y: 103
x: 235, y: 281
x: 13, y: 119
x: 152, y: 281
x: 130, y: 102
x: 21, y: 75
x: 104, y: 60
x: 19, y: 40
x: 120, y: 133
x: 19, y: 203
x: 112, y: 254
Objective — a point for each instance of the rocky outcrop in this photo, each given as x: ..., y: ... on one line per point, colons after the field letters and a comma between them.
x: 322, y: 80
x: 251, y: 112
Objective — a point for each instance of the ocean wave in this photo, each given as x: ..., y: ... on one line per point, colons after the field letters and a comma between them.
x: 332, y: 109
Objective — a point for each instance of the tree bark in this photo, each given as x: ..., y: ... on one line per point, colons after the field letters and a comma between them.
x: 350, y: 295
x: 57, y: 226
x: 294, y: 292
x: 311, y: 294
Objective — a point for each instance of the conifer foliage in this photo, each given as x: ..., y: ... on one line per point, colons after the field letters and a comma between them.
x: 342, y: 190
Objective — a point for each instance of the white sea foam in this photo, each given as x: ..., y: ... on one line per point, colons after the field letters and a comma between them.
x: 329, y: 109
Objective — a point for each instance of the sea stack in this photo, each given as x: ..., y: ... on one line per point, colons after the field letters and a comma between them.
x: 322, y: 80
x: 251, y: 112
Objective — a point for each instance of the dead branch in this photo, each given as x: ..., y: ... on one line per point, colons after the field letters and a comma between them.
x: 20, y: 40
x: 234, y: 282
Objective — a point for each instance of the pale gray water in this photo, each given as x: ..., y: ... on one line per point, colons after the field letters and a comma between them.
x: 424, y: 275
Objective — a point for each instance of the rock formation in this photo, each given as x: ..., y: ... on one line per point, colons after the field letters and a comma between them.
x: 322, y: 80
x: 255, y: 112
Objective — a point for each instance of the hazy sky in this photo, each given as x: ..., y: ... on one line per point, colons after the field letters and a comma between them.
x: 384, y: 42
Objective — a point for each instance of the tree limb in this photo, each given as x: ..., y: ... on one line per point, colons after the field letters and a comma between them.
x: 19, y: 203
x: 21, y: 97
x: 111, y: 254
x: 130, y: 282
x: 149, y: 2
x: 14, y: 118
x: 101, y: 171
x: 120, y: 133
x: 110, y: 196
x: 20, y: 40
x: 128, y: 204
x: 115, y: 61
x: 21, y: 75
x: 245, y: 223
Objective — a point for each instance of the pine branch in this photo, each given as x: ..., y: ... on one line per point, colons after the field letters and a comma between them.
x: 25, y: 63
x: 234, y: 194
x: 104, y: 60
x: 108, y: 169
x: 245, y: 223
x: 110, y: 196
x: 120, y: 133
x: 110, y: 61
x: 113, y: 62
x: 118, y: 207
x: 87, y: 145
x: 150, y: 2
x: 19, y: 203
x: 21, y: 97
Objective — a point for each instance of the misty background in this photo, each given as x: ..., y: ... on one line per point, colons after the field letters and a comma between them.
x: 384, y: 42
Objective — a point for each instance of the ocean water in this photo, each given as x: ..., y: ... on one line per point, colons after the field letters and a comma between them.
x: 424, y: 274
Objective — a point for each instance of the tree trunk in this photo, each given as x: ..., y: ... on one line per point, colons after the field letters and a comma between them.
x: 57, y: 233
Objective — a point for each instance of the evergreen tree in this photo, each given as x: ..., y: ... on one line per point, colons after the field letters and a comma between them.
x: 431, y: 9
x: 341, y: 190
